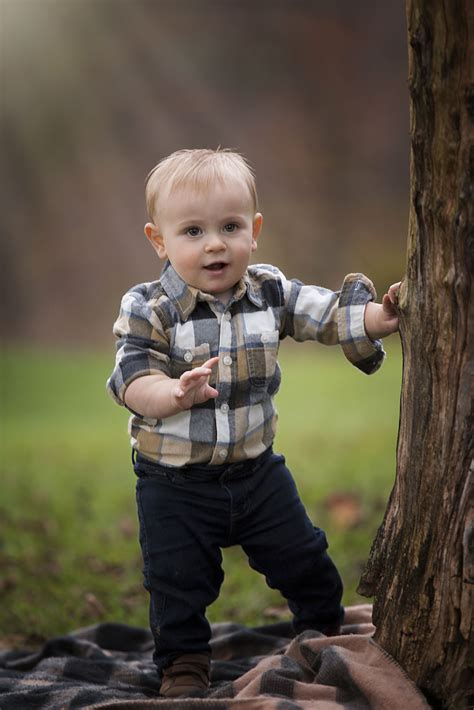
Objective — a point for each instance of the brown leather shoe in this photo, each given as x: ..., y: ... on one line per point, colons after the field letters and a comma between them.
x: 186, y: 674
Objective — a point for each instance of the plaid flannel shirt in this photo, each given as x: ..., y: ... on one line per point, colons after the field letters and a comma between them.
x: 168, y: 326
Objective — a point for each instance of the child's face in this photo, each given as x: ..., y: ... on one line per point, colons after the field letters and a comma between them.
x: 208, y: 235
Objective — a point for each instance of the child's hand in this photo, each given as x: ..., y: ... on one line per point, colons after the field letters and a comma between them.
x: 381, y: 319
x: 193, y: 386
x: 389, y: 302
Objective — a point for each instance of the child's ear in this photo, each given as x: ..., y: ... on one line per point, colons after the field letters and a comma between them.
x: 257, y: 228
x: 156, y: 239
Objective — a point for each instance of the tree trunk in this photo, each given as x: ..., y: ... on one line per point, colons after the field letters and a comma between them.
x: 421, y: 566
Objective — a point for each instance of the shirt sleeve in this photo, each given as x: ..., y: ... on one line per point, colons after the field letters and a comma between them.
x: 142, y: 345
x: 333, y: 317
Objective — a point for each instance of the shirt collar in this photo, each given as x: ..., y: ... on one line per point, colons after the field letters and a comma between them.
x: 185, y: 297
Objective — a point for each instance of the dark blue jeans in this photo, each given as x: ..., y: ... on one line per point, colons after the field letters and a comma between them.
x: 188, y: 514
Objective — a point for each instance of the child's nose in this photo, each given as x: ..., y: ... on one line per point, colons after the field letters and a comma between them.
x: 214, y: 242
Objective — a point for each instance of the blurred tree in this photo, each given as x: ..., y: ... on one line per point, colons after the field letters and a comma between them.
x: 421, y: 567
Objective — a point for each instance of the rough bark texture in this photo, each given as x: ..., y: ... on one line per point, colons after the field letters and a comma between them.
x: 421, y: 567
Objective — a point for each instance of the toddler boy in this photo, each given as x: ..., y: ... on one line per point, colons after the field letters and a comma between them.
x: 197, y: 366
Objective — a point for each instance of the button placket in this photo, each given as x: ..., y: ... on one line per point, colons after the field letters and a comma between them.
x: 223, y: 408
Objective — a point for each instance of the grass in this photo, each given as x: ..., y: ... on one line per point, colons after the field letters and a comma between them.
x: 69, y: 554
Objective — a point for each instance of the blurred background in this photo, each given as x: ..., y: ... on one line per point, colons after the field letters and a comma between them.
x: 93, y: 94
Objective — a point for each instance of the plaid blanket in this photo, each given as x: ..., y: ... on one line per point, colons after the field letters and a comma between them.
x: 109, y: 666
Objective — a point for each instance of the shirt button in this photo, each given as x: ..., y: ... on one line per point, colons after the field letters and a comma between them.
x: 227, y: 316
x: 188, y: 356
x: 224, y: 407
x: 223, y: 453
x: 227, y: 360
x: 264, y: 338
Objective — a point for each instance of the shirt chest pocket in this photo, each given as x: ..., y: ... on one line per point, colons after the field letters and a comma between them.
x: 184, y: 359
x: 261, y: 350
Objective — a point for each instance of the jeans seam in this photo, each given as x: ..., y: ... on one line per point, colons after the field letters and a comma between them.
x: 156, y: 630
x: 231, y: 526
x: 141, y: 515
x: 146, y: 562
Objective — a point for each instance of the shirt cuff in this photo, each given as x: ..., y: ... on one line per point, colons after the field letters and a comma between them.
x: 366, y: 354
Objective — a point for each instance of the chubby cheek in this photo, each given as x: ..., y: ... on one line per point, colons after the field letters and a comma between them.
x: 243, y: 252
x: 189, y: 259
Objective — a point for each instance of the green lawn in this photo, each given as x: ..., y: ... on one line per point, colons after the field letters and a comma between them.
x: 69, y: 554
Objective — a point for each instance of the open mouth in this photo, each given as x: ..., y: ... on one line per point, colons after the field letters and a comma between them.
x: 217, y: 266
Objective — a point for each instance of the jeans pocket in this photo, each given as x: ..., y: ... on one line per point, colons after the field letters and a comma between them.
x: 153, y: 470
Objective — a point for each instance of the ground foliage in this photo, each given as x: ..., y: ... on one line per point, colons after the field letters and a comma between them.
x: 69, y: 554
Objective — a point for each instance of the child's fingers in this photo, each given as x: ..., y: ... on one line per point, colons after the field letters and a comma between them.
x: 204, y: 371
x: 393, y: 291
x: 212, y: 392
x: 194, y: 385
x: 212, y: 362
x: 187, y: 385
x: 388, y: 305
x: 195, y: 374
x: 196, y: 378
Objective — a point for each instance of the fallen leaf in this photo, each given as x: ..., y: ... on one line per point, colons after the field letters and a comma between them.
x: 94, y: 606
x: 344, y: 509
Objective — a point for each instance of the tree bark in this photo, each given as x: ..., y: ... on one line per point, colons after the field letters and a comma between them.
x: 421, y: 566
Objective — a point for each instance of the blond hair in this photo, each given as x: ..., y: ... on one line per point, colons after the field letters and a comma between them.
x: 197, y: 168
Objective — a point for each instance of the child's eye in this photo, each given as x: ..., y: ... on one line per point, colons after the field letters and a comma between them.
x: 193, y: 231
x: 231, y: 227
